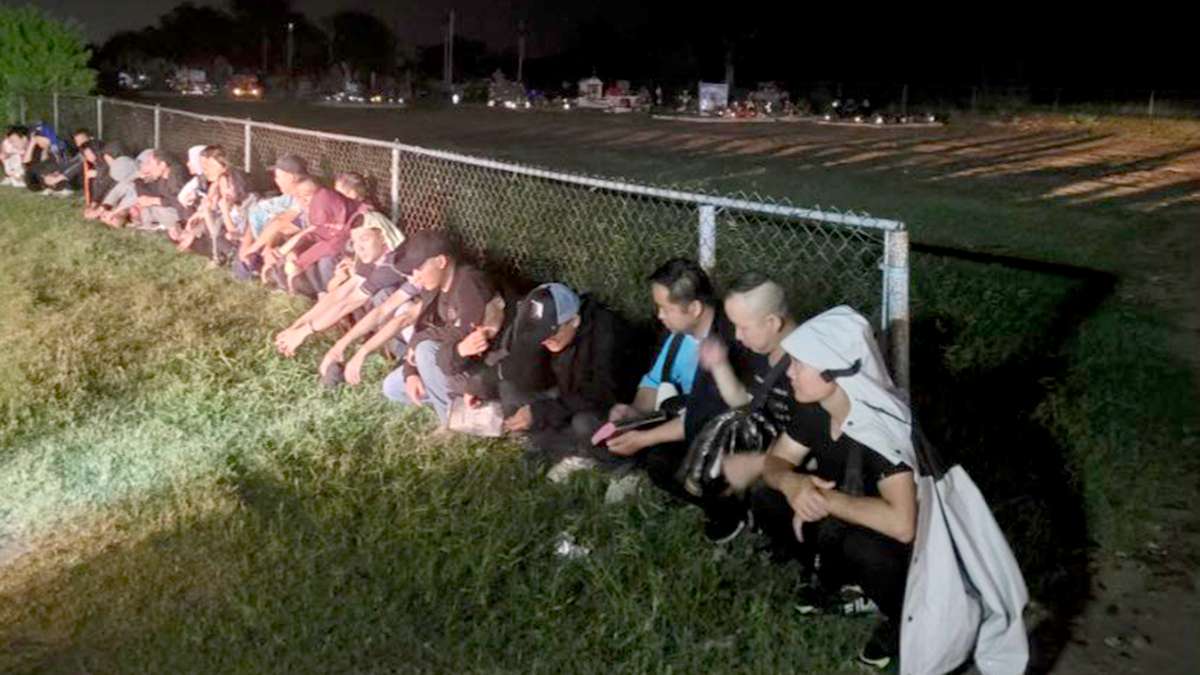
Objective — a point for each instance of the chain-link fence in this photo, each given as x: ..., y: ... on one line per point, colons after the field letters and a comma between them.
x: 601, y: 236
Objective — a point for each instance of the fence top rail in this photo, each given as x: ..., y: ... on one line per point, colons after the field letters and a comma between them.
x: 746, y: 205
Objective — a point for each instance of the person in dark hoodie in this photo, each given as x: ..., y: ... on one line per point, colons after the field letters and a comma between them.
x: 570, y: 362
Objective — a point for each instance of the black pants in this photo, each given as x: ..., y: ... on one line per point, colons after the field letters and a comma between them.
x: 840, y: 552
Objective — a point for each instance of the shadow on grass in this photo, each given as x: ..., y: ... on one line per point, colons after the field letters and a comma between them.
x: 987, y: 419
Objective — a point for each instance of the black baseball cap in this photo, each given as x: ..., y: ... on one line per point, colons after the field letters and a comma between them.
x: 421, y: 246
x: 291, y: 164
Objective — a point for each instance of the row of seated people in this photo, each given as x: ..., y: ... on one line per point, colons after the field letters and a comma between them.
x: 829, y: 481
x: 558, y: 367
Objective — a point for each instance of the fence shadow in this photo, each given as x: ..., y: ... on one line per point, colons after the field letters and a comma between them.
x: 985, y: 419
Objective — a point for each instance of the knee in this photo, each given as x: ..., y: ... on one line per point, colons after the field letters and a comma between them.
x: 393, y: 386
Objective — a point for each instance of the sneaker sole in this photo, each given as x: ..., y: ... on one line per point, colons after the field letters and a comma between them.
x: 881, y: 663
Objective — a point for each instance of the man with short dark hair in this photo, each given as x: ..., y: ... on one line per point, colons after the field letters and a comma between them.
x: 158, y: 206
x: 687, y: 306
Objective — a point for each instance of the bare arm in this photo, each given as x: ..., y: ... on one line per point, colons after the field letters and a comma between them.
x: 632, y: 442
x: 893, y: 512
x: 714, y: 357
x: 280, y: 226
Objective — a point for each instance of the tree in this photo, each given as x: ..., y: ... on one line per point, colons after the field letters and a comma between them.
x: 40, y: 53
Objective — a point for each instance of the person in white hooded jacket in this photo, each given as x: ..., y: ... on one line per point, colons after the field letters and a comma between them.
x: 917, y: 536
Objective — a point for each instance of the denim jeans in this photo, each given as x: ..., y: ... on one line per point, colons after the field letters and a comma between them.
x: 437, y: 395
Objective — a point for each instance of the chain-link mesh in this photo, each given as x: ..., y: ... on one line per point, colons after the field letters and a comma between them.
x: 132, y: 125
x: 328, y: 157
x: 179, y: 132
x: 599, y: 236
x: 820, y: 264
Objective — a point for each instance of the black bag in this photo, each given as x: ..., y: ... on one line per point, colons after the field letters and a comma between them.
x: 745, y: 429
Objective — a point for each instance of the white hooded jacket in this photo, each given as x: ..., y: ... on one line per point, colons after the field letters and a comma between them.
x: 964, y: 592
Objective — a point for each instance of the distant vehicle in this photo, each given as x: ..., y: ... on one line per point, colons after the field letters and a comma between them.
x: 246, y: 85
x: 191, y: 82
x: 133, y: 81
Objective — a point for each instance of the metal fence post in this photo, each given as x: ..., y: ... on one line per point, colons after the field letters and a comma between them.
x: 157, y: 123
x: 396, y: 185
x: 246, y: 151
x: 100, y: 116
x: 54, y: 97
x: 708, y: 237
x: 895, y: 302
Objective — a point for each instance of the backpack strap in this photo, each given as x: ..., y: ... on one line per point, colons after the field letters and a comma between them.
x: 773, y: 375
x: 676, y: 340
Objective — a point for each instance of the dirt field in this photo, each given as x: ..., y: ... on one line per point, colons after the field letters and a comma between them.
x: 1138, y: 165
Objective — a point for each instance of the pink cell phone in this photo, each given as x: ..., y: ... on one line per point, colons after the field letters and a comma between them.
x: 605, y: 432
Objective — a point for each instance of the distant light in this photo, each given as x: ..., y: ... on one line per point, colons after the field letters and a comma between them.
x: 932, y: 118
x: 455, y: 99
x: 237, y: 91
x: 528, y: 105
x: 858, y: 118
x: 879, y: 119
x: 566, y: 106
x: 491, y: 103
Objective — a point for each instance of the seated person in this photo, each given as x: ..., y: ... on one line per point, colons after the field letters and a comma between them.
x: 315, y: 251
x: 373, y: 238
x: 218, y: 217
x: 687, y: 307
x: 353, y: 186
x: 842, y: 470
x: 12, y: 152
x: 122, y: 196
x: 158, y: 206
x: 273, y: 219
x: 570, y: 361
x: 95, y: 178
x: 197, y: 186
x: 54, y: 167
x: 453, y: 334
x: 281, y: 230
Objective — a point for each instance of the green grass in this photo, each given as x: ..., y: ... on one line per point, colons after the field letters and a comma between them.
x: 191, y: 502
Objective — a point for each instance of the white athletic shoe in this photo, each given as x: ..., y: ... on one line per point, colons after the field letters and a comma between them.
x: 621, y: 489
x: 560, y: 472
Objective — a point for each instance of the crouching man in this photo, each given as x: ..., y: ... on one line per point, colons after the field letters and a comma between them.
x: 570, y: 360
x: 451, y: 338
x: 844, y: 469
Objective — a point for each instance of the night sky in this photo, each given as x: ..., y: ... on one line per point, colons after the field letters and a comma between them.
x: 957, y: 44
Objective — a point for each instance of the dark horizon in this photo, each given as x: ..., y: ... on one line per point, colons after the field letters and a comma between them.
x: 624, y: 40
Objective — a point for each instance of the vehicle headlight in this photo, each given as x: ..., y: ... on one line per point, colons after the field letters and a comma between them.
x: 237, y: 91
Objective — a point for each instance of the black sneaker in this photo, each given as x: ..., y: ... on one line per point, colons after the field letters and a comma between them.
x: 726, y: 527
x: 883, y: 649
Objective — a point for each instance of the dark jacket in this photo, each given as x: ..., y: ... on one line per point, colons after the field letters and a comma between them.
x: 596, y: 371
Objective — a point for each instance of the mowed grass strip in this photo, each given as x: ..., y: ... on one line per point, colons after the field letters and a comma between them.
x: 174, y: 497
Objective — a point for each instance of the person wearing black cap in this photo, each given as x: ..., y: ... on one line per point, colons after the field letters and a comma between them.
x: 589, y: 361
x: 453, y: 336
x: 272, y: 220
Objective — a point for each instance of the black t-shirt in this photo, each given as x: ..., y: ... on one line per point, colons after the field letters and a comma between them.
x: 828, y: 458
x: 779, y: 404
